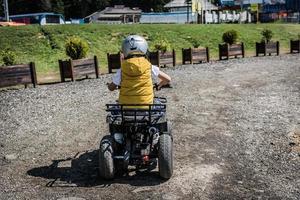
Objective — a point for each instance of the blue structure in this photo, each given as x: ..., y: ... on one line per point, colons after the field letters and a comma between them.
x: 38, y: 18
x: 293, y: 5
x: 238, y: 2
x: 168, y: 17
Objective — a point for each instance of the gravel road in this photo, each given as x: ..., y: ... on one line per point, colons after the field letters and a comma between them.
x: 236, y: 127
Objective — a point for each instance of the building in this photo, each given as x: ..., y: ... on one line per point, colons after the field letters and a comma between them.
x: 38, y: 18
x: 115, y: 15
x: 181, y: 5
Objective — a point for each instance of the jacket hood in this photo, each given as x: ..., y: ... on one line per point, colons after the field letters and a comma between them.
x: 135, y: 66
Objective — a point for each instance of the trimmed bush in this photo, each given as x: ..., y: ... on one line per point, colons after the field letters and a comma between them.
x: 195, y: 42
x: 267, y: 35
x: 230, y: 37
x: 8, y: 57
x: 76, y: 48
x: 162, y: 45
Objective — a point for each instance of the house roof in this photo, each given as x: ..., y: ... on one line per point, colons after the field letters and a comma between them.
x: 117, y: 9
x: 182, y: 3
x: 176, y: 3
x: 35, y: 14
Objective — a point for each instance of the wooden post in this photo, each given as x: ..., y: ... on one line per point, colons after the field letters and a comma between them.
x: 120, y: 58
x: 277, y: 48
x: 96, y: 66
x: 265, y: 48
x: 61, y: 69
x: 207, y: 54
x: 158, y: 58
x: 72, y: 69
x: 243, y: 50
x: 256, y: 47
x: 183, y: 56
x: 33, y: 74
x: 220, y: 52
x: 227, y: 52
x: 191, y: 55
x: 174, y: 57
x: 109, y: 63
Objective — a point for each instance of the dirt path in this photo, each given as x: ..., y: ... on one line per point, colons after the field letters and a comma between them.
x: 236, y: 127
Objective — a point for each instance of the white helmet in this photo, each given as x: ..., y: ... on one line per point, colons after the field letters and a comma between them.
x: 134, y: 44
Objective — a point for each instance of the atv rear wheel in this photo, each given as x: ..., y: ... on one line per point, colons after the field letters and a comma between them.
x: 165, y: 156
x: 106, y: 160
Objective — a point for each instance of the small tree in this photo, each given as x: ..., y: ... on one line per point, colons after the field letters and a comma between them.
x: 267, y: 35
x: 8, y: 57
x: 162, y: 45
x: 230, y: 37
x: 195, y: 42
x: 76, y: 48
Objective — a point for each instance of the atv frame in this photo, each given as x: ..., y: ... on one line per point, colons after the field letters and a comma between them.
x: 138, y: 137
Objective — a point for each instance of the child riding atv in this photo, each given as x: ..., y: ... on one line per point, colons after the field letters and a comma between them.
x: 137, y: 73
x: 139, y: 130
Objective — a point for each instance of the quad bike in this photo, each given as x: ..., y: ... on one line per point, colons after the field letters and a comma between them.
x: 138, y: 137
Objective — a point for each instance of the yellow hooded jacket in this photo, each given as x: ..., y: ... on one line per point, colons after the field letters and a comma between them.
x: 136, y: 82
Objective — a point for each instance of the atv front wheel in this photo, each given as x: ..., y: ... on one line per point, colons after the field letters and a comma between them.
x: 165, y: 156
x: 106, y: 160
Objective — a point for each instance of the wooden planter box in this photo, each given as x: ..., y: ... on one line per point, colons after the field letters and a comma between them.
x: 226, y: 50
x: 163, y: 59
x: 18, y: 74
x: 195, y: 55
x: 77, y: 68
x: 295, y: 46
x: 267, y: 48
x: 114, y: 61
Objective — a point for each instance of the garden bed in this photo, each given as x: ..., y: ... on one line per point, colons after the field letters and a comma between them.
x: 77, y: 68
x: 18, y: 75
x: 195, y: 55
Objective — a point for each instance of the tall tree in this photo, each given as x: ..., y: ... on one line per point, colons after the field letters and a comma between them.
x: 58, y: 6
x: 45, y: 5
x: 1, y: 8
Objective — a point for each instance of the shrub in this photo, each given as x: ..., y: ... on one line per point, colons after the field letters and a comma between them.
x: 162, y: 45
x: 195, y: 42
x: 8, y: 57
x: 230, y: 37
x: 76, y: 48
x: 298, y: 36
x: 267, y: 35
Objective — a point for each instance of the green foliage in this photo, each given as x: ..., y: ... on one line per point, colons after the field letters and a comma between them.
x: 76, y: 48
x: 298, y: 36
x: 30, y: 44
x: 58, y: 6
x: 162, y: 45
x: 195, y: 42
x: 8, y: 57
x: 267, y: 35
x: 79, y: 8
x: 230, y: 37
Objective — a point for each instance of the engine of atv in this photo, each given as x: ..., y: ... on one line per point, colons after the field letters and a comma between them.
x: 136, y: 133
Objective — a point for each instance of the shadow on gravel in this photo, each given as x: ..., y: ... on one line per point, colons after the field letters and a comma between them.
x: 82, y: 171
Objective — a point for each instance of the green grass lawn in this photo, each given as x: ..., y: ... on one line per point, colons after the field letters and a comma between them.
x: 45, y: 44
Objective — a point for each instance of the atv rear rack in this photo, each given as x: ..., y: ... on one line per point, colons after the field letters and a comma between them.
x: 126, y: 114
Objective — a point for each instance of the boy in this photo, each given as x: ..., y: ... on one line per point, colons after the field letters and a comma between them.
x: 136, y: 73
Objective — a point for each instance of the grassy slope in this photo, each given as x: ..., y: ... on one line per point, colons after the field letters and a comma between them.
x: 34, y: 43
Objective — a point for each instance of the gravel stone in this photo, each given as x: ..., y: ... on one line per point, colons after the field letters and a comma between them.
x: 231, y: 121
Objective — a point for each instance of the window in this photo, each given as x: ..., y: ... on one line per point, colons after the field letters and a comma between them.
x: 52, y: 19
